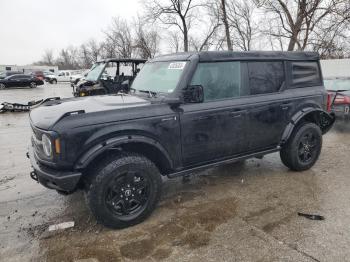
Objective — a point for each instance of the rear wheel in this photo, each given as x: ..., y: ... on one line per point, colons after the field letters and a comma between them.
x: 54, y: 81
x: 2, y: 86
x: 123, y: 190
x: 32, y: 85
x: 303, y: 147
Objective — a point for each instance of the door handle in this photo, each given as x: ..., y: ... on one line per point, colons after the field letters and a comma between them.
x: 237, y: 113
x: 202, y: 118
x: 286, y: 106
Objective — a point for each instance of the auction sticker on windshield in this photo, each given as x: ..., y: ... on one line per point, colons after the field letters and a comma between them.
x: 177, y: 65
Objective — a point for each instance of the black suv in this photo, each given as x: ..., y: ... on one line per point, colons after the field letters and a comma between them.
x: 185, y: 112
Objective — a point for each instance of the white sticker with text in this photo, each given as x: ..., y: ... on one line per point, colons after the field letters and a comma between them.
x: 177, y: 65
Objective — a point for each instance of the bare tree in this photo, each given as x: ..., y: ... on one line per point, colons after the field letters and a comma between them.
x: 48, y: 58
x: 178, y: 13
x: 209, y: 38
x: 227, y: 27
x: 95, y: 50
x: 240, y: 19
x: 119, y: 37
x: 300, y: 18
x: 174, y: 41
x: 85, y: 59
x: 68, y: 58
x: 146, y: 40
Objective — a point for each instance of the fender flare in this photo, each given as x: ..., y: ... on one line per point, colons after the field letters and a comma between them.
x: 114, y: 142
x: 326, y: 121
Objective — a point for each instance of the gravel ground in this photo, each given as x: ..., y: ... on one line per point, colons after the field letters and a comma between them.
x: 239, y: 212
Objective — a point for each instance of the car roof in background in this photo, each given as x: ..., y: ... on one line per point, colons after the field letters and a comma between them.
x: 211, y: 56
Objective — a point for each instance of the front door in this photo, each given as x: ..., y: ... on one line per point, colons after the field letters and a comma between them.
x: 214, y: 129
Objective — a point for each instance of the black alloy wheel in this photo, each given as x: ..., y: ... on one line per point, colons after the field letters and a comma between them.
x: 123, y: 189
x: 308, y: 147
x: 128, y: 194
x: 303, y: 147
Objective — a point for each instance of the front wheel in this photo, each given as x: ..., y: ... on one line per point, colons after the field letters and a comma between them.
x: 303, y: 147
x: 123, y: 190
x: 54, y: 81
x: 32, y: 85
x: 2, y: 86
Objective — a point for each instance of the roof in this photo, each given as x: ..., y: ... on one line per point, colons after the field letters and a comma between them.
x: 209, y: 56
x: 124, y: 60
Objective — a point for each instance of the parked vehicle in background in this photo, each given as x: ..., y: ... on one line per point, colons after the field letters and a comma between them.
x: 78, y: 76
x: 50, y: 77
x: 339, y: 90
x: 38, y: 74
x: 109, y: 76
x: 9, y: 73
x: 64, y: 76
x: 20, y: 80
x: 185, y: 112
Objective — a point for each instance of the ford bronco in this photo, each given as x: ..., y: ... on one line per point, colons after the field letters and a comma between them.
x: 185, y: 112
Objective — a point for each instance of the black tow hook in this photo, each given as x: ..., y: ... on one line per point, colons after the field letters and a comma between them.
x: 34, y: 176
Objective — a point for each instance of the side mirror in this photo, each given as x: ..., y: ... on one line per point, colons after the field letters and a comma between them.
x: 193, y: 94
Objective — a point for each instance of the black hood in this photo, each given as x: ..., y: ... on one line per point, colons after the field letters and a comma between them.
x: 49, y: 113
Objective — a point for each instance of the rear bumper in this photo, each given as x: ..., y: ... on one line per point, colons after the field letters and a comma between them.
x: 54, y: 179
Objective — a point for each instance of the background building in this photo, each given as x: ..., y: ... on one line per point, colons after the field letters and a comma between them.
x: 28, y: 68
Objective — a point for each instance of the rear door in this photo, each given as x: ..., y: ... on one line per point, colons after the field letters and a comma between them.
x: 268, y: 112
x: 214, y: 129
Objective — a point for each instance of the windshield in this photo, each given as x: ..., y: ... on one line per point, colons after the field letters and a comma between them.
x: 95, y: 72
x: 337, y: 84
x: 159, y: 77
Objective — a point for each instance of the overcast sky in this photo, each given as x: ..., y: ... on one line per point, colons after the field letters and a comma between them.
x: 27, y: 28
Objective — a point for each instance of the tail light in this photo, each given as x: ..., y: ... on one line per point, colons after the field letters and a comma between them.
x: 329, y: 102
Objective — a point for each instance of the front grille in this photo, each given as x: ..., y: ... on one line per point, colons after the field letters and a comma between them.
x: 36, y: 142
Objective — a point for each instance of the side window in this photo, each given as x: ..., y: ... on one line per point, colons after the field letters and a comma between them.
x: 220, y: 80
x: 265, y: 77
x: 305, y: 74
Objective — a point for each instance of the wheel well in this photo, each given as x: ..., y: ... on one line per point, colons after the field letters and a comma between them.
x: 322, y: 119
x: 319, y: 118
x: 151, y: 152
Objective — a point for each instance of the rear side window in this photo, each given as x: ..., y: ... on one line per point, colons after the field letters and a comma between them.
x: 265, y: 77
x: 220, y: 80
x: 305, y: 74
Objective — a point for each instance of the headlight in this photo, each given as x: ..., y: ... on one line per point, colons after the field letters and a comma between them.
x: 47, y: 146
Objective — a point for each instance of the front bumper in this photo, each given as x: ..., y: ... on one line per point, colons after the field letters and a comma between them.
x: 66, y: 181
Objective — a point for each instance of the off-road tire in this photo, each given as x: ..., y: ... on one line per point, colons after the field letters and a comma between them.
x: 290, y: 152
x: 111, y: 169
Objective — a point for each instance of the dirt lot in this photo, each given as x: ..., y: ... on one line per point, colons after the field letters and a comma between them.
x: 240, y: 212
